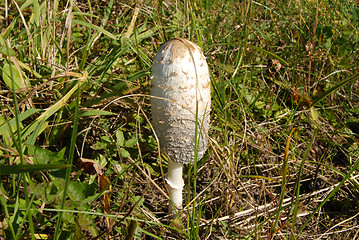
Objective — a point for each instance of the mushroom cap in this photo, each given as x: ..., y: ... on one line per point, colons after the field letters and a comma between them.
x: 181, y: 91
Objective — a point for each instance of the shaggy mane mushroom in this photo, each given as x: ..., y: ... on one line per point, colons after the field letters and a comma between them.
x: 180, y: 108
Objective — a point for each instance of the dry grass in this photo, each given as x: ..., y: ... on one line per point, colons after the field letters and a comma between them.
x: 283, y: 155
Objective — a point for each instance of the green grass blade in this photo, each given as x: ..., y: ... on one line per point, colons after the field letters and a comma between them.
x: 70, y: 162
x: 93, y: 26
x: 26, y: 168
x: 5, y: 128
x: 334, y: 88
x: 284, y: 181
x: 6, y: 210
x: 270, y: 54
x: 329, y: 196
x: 19, y: 147
x: 296, y: 204
x: 40, y: 121
x: 27, y: 214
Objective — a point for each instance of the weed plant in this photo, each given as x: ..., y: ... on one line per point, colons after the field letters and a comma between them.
x: 78, y: 155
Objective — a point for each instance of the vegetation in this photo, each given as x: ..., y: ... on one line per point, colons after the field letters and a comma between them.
x: 78, y: 155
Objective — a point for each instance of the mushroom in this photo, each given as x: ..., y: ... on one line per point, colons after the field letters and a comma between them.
x: 180, y: 102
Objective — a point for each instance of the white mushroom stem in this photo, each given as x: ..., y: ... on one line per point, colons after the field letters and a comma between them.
x: 175, y: 185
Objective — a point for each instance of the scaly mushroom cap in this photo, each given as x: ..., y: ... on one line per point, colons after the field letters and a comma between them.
x: 180, y: 78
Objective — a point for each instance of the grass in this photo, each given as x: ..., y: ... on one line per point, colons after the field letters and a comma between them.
x: 77, y: 151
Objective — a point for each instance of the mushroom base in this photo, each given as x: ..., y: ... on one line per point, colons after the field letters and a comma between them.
x: 175, y: 185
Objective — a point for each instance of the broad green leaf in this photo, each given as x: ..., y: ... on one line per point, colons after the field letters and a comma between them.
x: 130, y: 143
x: 61, y: 153
x: 10, y: 73
x: 42, y: 156
x: 99, y: 146
x: 124, y: 153
x: 259, y: 104
x: 46, y: 191
x: 106, y: 139
x: 138, y: 199
x: 2, y: 41
x: 120, y: 139
x: 314, y: 113
x: 77, y: 190
x: 86, y: 221
x: 102, y: 160
x: 4, y: 127
x: 7, y: 51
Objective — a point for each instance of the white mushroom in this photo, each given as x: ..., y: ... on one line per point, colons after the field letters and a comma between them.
x: 181, y: 102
